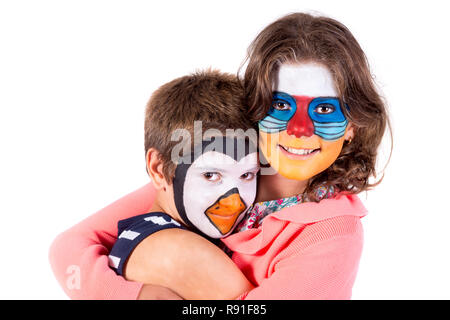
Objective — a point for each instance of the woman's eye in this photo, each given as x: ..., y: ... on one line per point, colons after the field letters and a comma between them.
x: 248, y: 176
x: 324, y: 109
x: 281, y: 105
x: 212, y: 176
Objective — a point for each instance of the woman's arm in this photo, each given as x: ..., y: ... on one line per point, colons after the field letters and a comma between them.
x: 188, y: 264
x: 79, y: 259
x: 324, y: 270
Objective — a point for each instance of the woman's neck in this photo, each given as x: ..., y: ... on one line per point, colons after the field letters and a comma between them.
x: 272, y: 187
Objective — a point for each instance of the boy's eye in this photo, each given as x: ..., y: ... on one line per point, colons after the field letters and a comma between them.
x: 248, y: 176
x: 211, y: 176
x: 281, y: 105
x: 324, y: 109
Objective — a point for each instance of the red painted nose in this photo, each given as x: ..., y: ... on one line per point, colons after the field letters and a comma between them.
x: 301, y: 125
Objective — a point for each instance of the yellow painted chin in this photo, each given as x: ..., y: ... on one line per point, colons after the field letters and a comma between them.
x: 291, y: 166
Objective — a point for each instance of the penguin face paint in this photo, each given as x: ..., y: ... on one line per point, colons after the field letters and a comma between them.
x: 303, y: 132
x: 213, y: 193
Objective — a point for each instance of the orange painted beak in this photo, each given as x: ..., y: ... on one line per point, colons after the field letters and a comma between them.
x: 225, y: 211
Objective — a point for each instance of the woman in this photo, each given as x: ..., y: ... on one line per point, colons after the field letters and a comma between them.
x: 320, y: 122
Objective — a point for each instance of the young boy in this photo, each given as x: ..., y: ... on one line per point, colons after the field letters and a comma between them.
x: 205, y: 183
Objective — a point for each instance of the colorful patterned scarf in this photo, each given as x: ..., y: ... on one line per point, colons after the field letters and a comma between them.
x: 258, y: 211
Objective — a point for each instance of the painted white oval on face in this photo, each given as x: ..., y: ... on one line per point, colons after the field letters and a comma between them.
x: 305, y: 79
x: 200, y: 194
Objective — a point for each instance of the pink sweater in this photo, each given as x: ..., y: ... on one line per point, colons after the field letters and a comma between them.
x: 307, y: 251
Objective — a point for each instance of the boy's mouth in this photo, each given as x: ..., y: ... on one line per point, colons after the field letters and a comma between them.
x: 225, y: 211
x: 299, y: 153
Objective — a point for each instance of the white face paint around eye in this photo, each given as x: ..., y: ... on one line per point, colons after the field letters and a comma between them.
x: 305, y: 79
x: 216, y: 207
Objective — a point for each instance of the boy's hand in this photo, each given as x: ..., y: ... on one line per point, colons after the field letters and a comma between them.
x: 154, y: 292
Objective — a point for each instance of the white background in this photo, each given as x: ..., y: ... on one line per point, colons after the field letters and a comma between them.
x: 75, y: 77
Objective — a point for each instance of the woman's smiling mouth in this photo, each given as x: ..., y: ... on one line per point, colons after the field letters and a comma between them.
x: 296, y: 153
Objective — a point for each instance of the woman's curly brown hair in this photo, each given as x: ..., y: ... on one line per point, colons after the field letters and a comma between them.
x: 301, y: 37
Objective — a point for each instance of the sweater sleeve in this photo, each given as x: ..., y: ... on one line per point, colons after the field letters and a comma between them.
x: 323, y: 269
x: 79, y: 255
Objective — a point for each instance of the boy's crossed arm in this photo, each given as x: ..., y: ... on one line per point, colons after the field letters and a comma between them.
x: 187, y: 264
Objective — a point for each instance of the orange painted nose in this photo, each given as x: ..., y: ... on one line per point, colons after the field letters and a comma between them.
x: 225, y: 211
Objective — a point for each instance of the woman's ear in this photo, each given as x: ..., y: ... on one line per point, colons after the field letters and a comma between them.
x: 155, y: 168
x: 349, y: 133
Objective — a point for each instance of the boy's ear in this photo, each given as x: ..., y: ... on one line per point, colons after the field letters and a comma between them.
x: 155, y: 168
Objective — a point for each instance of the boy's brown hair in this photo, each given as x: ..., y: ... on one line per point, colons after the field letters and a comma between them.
x: 300, y: 37
x: 210, y: 96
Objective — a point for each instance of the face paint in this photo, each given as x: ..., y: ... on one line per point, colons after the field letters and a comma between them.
x: 302, y: 134
x: 305, y: 116
x: 213, y: 193
x: 329, y: 120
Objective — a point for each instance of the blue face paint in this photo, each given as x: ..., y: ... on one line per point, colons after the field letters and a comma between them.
x: 329, y: 125
x: 277, y: 120
x: 325, y: 112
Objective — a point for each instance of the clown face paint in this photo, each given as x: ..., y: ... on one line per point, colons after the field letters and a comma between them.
x: 303, y: 132
x: 213, y: 193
